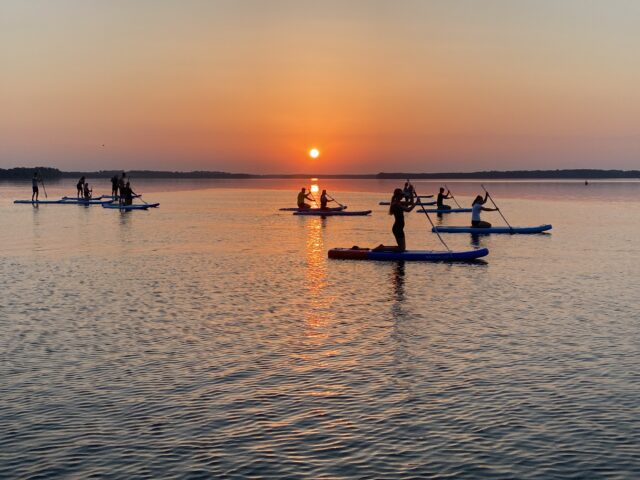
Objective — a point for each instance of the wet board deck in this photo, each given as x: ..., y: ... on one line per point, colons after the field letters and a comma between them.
x: 115, y: 206
x: 488, y: 230
x: 325, y: 213
x: 408, y: 255
x: 446, y: 210
x: 418, y: 204
x: 295, y: 209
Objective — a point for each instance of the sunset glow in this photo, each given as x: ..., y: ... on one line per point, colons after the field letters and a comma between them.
x: 314, y: 153
x: 246, y: 86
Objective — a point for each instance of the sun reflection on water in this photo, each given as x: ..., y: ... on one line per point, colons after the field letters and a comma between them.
x: 319, y: 301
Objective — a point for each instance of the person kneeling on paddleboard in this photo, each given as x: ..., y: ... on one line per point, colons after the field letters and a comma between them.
x: 324, y: 200
x: 128, y: 194
x: 441, y: 197
x: 87, y: 192
x: 302, y: 196
x: 397, y: 208
x: 476, y: 208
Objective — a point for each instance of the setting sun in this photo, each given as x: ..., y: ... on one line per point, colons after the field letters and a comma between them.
x: 314, y: 153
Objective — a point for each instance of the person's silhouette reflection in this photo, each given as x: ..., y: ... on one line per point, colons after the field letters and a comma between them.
x: 398, y: 281
x: 475, y: 240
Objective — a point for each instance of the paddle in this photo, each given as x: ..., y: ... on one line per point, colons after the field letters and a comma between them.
x: 135, y: 195
x: 452, y: 197
x: 139, y: 197
x: 314, y: 199
x: 44, y: 189
x: 496, y: 207
x: 334, y: 200
x: 430, y: 221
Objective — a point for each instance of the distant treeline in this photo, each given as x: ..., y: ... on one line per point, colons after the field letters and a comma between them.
x: 26, y: 173
x: 584, y: 173
x: 54, y: 173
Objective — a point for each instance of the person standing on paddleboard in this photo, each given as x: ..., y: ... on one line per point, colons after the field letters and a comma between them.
x: 476, y: 208
x: 397, y: 208
x: 441, y: 198
x: 34, y: 186
x: 114, y: 186
x: 302, y: 196
x: 121, y: 186
x: 80, y: 187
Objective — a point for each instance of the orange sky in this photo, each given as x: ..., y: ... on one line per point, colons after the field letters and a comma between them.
x: 250, y: 86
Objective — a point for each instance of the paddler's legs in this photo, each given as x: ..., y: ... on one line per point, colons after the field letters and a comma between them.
x: 35, y: 194
x: 398, y: 232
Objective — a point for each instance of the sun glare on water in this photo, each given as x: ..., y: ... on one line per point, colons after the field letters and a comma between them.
x: 314, y: 153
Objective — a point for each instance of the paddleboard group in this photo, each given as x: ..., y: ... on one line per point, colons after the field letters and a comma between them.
x: 121, y: 198
x: 405, y: 200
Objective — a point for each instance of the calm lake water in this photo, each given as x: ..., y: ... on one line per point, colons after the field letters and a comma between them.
x: 212, y: 337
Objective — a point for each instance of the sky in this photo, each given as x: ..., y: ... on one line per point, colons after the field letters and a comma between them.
x: 252, y: 86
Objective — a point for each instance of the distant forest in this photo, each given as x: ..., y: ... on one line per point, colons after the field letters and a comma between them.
x: 53, y: 173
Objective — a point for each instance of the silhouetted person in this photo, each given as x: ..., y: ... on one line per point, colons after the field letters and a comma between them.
x: 128, y: 194
x: 302, y: 196
x: 441, y: 197
x: 476, y: 208
x: 408, y: 190
x: 34, y: 186
x: 80, y: 187
x: 397, y: 209
x: 324, y: 200
x: 114, y: 186
x: 122, y: 183
x: 87, y: 192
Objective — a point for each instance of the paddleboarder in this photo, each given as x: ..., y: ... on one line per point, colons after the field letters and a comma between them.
x: 87, y: 192
x: 114, y: 186
x: 80, y: 187
x: 441, y: 197
x: 302, y: 196
x: 128, y: 194
x: 324, y: 200
x: 122, y: 183
x: 397, y: 208
x: 34, y: 186
x: 476, y: 208
x: 408, y: 190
